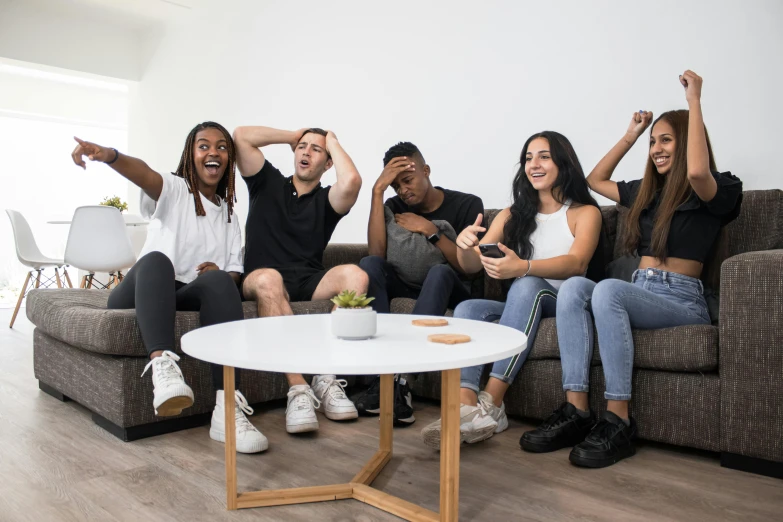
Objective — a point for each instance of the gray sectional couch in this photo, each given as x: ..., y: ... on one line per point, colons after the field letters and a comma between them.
x: 717, y: 387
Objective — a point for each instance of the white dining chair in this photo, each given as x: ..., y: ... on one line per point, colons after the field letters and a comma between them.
x: 30, y: 255
x: 98, y: 242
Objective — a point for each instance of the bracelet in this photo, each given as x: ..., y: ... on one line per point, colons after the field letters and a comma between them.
x: 116, y: 155
x: 528, y: 268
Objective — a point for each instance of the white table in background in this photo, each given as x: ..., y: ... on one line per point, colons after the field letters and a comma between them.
x: 130, y: 221
x: 304, y: 344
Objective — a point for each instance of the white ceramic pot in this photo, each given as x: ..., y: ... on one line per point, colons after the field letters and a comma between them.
x: 354, y: 323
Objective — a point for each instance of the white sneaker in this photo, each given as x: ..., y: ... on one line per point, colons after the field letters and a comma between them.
x: 334, y: 403
x: 171, y: 395
x: 249, y: 439
x: 499, y: 414
x: 475, y: 425
x: 300, y: 414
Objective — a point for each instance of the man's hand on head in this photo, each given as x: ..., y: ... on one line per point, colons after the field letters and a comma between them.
x: 415, y: 223
x: 331, y: 141
x: 297, y: 137
x: 390, y: 172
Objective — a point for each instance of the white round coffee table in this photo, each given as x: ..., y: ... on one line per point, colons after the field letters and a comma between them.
x: 304, y: 344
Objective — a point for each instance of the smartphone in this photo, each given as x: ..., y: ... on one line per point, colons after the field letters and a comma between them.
x: 491, y: 250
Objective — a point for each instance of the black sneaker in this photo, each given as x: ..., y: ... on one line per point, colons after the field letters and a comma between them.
x: 368, y: 403
x: 609, y: 442
x: 403, y: 403
x: 565, y: 428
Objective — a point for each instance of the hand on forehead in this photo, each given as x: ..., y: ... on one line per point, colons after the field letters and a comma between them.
x: 314, y: 138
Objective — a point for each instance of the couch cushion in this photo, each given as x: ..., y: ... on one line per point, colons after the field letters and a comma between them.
x: 681, y: 349
x: 403, y: 305
x: 80, y: 318
x: 344, y: 254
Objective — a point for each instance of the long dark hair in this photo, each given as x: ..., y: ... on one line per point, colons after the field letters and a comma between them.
x: 674, y: 188
x: 187, y: 169
x: 570, y: 184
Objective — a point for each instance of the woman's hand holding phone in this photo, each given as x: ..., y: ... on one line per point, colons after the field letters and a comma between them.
x: 491, y: 250
x: 506, y: 267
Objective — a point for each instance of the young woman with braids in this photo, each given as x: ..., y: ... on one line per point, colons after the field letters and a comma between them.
x: 676, y: 213
x: 191, y: 261
x: 548, y: 234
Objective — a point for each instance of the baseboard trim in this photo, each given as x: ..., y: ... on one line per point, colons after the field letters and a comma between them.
x: 755, y: 465
x: 51, y: 391
x: 153, y: 429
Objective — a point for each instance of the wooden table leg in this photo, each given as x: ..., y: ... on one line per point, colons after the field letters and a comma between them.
x: 231, y: 438
x: 359, y: 488
x: 449, y: 446
x: 387, y: 413
x: 382, y: 457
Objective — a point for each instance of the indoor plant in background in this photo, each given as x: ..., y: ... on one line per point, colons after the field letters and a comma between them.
x: 115, y: 202
x: 353, y: 318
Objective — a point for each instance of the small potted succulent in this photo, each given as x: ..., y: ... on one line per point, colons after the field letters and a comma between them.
x: 352, y: 318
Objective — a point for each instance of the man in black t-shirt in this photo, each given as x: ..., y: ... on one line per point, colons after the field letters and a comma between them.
x: 289, y: 224
x: 417, y: 204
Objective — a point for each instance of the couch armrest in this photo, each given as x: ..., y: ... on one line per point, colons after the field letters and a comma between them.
x: 344, y: 254
x: 750, y: 357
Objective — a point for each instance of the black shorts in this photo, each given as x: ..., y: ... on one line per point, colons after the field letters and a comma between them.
x: 300, y: 284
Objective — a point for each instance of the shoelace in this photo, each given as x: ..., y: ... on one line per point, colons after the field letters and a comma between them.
x: 603, y: 431
x: 302, y: 399
x: 167, y: 368
x: 486, y: 406
x: 336, y: 388
x: 555, y: 420
x: 242, y: 408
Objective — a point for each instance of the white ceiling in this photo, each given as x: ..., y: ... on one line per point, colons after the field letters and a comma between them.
x: 158, y: 10
x: 64, y: 33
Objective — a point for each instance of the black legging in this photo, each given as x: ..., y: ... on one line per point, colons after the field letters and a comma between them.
x: 151, y: 289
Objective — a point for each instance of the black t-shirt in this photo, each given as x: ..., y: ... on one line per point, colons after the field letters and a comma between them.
x: 285, y: 231
x: 695, y: 224
x: 458, y: 209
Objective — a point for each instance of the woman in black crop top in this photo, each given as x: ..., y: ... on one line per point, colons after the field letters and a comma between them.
x: 675, y: 215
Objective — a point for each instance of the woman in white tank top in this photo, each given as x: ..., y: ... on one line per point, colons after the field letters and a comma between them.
x: 547, y: 235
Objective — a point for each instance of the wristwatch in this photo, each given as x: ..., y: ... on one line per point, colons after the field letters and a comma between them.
x: 434, y: 238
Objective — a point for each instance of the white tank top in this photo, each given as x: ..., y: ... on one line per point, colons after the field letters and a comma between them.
x: 552, y: 237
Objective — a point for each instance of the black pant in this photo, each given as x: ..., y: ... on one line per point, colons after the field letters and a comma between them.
x: 442, y: 288
x: 151, y: 289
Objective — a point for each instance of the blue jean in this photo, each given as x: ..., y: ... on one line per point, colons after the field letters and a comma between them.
x: 529, y: 300
x: 442, y: 288
x: 654, y: 299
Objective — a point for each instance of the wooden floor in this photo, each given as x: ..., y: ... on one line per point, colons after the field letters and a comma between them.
x: 55, y: 464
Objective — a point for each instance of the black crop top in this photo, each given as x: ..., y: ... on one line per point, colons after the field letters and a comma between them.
x: 695, y: 224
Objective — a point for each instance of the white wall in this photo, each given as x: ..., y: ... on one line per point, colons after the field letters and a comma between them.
x: 40, y: 112
x: 467, y: 82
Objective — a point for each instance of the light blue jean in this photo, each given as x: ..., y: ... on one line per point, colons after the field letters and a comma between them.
x: 654, y: 299
x: 529, y: 300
